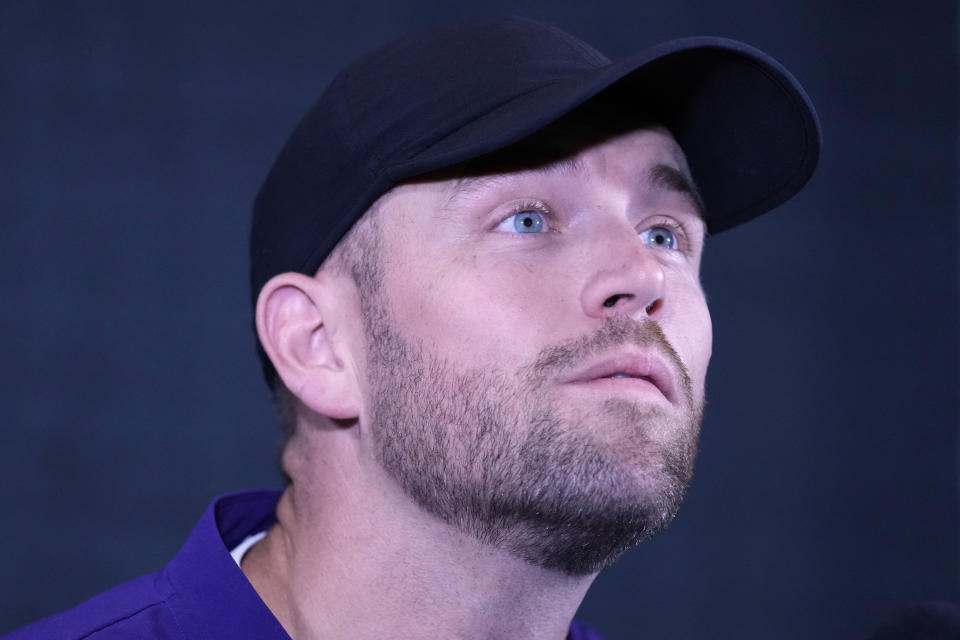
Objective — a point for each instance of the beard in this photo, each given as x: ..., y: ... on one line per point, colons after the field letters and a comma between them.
x: 497, y: 456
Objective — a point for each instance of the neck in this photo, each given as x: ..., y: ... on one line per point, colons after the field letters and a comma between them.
x: 352, y: 557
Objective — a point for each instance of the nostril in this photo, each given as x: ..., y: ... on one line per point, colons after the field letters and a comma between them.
x: 649, y: 309
x: 612, y: 300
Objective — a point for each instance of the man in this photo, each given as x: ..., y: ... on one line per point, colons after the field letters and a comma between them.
x: 476, y: 271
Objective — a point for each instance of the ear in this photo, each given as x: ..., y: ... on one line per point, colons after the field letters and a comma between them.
x: 297, y: 318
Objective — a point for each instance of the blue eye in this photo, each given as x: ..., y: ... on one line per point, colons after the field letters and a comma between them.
x: 659, y: 237
x: 524, y: 222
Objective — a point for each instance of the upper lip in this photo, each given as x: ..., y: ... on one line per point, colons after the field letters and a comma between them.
x: 635, y: 364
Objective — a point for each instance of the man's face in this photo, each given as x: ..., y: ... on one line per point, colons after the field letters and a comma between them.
x: 538, y: 346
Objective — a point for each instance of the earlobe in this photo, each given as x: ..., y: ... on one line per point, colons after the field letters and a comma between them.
x: 296, y: 325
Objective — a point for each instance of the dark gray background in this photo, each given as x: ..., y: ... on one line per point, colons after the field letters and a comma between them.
x: 133, y: 139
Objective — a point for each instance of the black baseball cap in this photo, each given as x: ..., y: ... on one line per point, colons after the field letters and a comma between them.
x: 457, y: 93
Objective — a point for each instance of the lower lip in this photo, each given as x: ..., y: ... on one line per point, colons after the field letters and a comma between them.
x: 640, y: 385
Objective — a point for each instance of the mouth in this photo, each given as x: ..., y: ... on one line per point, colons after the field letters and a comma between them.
x: 641, y: 371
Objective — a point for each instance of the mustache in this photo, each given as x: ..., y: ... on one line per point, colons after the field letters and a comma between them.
x: 616, y: 331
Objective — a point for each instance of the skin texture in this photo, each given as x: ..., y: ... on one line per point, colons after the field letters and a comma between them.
x: 462, y: 456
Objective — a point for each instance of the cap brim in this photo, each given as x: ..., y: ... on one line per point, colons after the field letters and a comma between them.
x: 748, y: 129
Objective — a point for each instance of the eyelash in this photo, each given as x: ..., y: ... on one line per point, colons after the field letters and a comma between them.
x: 535, y: 206
x: 531, y: 205
x: 678, y: 228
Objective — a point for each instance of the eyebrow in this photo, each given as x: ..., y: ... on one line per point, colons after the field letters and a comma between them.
x: 670, y: 178
x: 466, y: 185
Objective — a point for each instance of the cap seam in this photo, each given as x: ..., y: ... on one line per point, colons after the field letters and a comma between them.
x: 448, y: 131
x: 343, y: 115
x: 593, y: 55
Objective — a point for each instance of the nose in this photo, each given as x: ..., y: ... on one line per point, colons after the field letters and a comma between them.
x: 627, y: 279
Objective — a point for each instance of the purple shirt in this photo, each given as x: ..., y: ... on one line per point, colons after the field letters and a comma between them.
x: 200, y: 595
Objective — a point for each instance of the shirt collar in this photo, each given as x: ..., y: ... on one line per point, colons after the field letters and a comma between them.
x: 212, y: 598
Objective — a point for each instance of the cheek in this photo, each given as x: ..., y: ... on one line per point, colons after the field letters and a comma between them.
x: 456, y: 310
x: 705, y: 348
x: 693, y: 335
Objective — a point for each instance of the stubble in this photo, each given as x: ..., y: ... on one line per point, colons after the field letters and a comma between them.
x: 498, y: 456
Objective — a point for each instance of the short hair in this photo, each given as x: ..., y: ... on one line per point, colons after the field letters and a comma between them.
x: 357, y: 255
